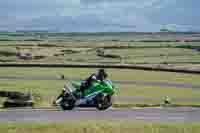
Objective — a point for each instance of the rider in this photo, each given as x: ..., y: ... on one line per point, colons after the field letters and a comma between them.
x: 100, y: 76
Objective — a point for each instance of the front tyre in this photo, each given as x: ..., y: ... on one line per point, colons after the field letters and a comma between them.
x: 103, y: 102
x: 67, y: 104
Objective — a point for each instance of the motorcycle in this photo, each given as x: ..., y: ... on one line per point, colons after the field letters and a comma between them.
x: 98, y: 95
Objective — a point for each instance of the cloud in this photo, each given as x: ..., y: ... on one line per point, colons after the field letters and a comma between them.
x: 97, y: 15
x: 34, y: 8
x: 180, y: 12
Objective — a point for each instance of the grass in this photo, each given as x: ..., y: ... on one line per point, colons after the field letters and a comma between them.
x: 156, y: 55
x: 155, y: 95
x: 76, y: 49
x: 114, y: 74
x: 133, y: 53
x: 45, y: 92
x: 100, y: 127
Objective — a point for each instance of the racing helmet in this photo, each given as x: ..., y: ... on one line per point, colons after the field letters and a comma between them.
x: 102, y: 73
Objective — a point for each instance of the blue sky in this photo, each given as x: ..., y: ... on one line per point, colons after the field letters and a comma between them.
x: 99, y: 15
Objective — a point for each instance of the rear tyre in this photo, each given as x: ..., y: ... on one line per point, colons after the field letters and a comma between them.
x: 103, y: 102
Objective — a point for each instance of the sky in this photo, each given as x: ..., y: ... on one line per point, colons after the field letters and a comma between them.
x: 100, y: 15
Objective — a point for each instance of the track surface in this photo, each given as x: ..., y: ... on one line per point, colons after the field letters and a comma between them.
x: 181, y: 114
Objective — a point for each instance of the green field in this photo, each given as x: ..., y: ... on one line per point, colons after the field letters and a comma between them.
x: 100, y: 127
x: 114, y: 74
x: 159, y: 49
x: 67, y: 52
x: 44, y: 92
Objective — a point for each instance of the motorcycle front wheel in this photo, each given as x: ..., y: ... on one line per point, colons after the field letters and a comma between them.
x: 103, y: 102
x: 67, y: 104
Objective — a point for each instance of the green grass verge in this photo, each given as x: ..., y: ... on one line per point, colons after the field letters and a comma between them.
x: 114, y: 74
x: 45, y: 92
x: 100, y: 127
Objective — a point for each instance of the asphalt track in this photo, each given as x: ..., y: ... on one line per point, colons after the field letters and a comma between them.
x: 181, y: 114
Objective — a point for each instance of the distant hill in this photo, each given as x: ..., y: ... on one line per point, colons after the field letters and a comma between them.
x: 38, y: 32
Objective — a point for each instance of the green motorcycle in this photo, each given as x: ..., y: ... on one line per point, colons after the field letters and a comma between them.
x: 98, y: 95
